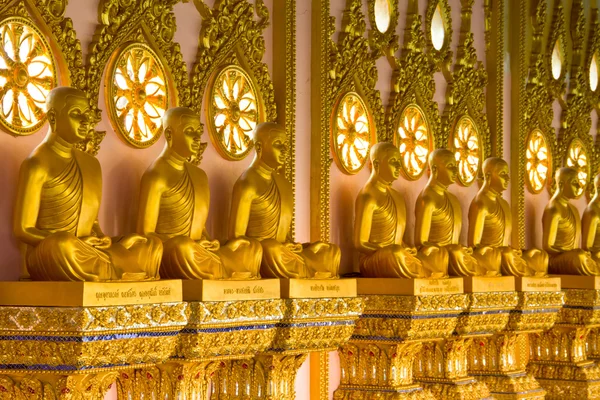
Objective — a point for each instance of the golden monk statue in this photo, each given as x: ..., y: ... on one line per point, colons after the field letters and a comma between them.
x: 562, y: 229
x: 490, y: 226
x: 58, y: 197
x: 174, y: 203
x: 380, y: 223
x: 590, y: 221
x: 439, y: 217
x: 262, y: 208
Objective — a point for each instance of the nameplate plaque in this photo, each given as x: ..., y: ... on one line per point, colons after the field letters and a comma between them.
x: 579, y: 282
x: 477, y: 284
x: 213, y: 290
x: 89, y: 294
x: 537, y: 284
x: 409, y: 287
x: 317, y: 288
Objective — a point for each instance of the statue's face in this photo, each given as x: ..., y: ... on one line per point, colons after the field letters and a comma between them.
x: 186, y: 135
x: 447, y: 169
x: 570, y: 186
x: 389, y: 165
x: 500, y: 178
x: 73, y: 120
x: 275, y: 149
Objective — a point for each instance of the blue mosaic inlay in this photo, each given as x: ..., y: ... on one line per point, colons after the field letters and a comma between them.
x: 87, y: 339
x: 229, y: 329
x: 309, y: 324
x: 408, y: 316
x: 46, y: 367
x: 536, y: 311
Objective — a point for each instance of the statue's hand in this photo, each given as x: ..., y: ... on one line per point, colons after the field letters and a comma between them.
x: 210, y: 245
x: 131, y: 240
x: 239, y: 242
x: 317, y: 246
x: 295, y: 247
x: 102, y: 243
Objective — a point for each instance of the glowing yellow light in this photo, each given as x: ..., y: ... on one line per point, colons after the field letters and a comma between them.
x: 353, y: 133
x: 27, y: 75
x: 594, y: 72
x: 577, y: 158
x: 556, y: 60
x: 467, y: 150
x: 382, y: 15
x: 537, y: 156
x: 414, y: 141
x: 233, y: 112
x: 438, y: 30
x: 138, y: 95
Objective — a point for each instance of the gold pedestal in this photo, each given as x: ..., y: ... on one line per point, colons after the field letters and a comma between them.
x: 378, y: 361
x: 442, y: 366
x: 501, y: 360
x: 82, y: 335
x: 310, y: 324
x: 559, y: 360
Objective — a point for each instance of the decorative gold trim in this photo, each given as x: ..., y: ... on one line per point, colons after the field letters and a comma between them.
x: 443, y: 57
x: 466, y: 89
x: 111, y: 89
x: 494, y: 46
x: 319, y: 375
x: 151, y: 22
x: 383, y: 43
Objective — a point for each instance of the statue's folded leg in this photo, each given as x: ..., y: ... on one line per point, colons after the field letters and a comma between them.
x: 573, y: 262
x: 391, y: 263
x: 183, y: 258
x: 537, y: 261
x: 278, y: 261
x: 322, y: 259
x: 64, y: 257
x: 489, y: 259
x: 460, y: 263
x: 435, y: 260
x: 141, y: 260
x: 514, y: 264
x: 244, y: 261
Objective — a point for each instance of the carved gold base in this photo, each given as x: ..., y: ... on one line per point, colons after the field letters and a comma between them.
x: 570, y: 382
x: 414, y: 392
x: 512, y: 386
x: 16, y: 385
x: 459, y: 389
x: 266, y: 376
x: 486, y: 312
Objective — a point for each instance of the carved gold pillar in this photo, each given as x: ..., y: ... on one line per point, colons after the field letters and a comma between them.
x: 401, y: 317
x: 501, y: 360
x: 443, y: 366
x: 559, y: 357
x: 318, y: 315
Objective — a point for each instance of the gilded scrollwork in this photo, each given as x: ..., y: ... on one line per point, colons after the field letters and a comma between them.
x: 413, y: 87
x: 123, y: 22
x: 466, y: 96
x: 231, y: 35
x: 383, y: 17
x: 438, y: 33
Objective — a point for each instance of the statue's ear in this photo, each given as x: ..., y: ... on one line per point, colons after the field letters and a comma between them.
x: 169, y: 135
x: 258, y: 147
x: 51, y: 115
x: 376, y: 165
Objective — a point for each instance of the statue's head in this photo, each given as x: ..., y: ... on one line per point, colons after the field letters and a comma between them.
x: 442, y: 165
x: 183, y: 131
x: 495, y: 174
x: 270, y: 142
x: 68, y: 112
x: 567, y: 182
x: 385, y: 158
x: 597, y: 183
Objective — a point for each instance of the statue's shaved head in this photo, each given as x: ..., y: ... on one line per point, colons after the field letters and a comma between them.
x: 263, y: 131
x: 565, y: 173
x: 59, y: 96
x: 492, y: 164
x: 172, y: 117
x: 440, y: 157
x: 381, y: 149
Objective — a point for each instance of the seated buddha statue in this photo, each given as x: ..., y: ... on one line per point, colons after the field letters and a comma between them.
x: 380, y: 222
x: 490, y: 226
x: 562, y: 229
x: 58, y: 197
x: 590, y: 221
x: 174, y: 204
x: 262, y: 208
x: 439, y: 217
